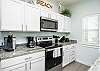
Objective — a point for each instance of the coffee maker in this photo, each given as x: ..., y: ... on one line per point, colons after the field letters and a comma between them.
x: 31, y: 42
x: 9, y: 43
x: 56, y: 39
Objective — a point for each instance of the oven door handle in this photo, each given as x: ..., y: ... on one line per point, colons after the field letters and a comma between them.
x: 49, y: 50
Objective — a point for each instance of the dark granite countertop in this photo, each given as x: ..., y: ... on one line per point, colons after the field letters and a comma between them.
x: 19, y: 51
x: 24, y: 50
x: 68, y: 43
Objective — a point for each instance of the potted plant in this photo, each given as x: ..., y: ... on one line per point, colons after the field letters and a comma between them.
x: 66, y: 12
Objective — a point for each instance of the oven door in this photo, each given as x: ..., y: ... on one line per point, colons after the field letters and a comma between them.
x: 49, y: 60
x: 58, y: 60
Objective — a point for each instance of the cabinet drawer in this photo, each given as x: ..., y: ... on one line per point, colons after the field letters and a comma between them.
x: 13, y: 61
x: 18, y: 67
x: 20, y: 59
x: 37, y: 55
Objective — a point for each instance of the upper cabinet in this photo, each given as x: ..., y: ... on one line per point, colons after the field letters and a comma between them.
x: 12, y: 15
x: 44, y: 13
x: 64, y: 23
x: 48, y: 14
x: 67, y: 24
x: 60, y: 23
x: 32, y: 18
x: 19, y: 16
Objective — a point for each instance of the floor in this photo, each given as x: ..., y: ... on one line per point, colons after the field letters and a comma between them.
x: 75, y: 66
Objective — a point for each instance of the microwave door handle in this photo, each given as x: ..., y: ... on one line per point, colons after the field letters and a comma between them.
x: 56, y: 26
x: 42, y: 23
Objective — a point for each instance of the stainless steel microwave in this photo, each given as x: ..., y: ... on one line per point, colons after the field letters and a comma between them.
x: 47, y: 24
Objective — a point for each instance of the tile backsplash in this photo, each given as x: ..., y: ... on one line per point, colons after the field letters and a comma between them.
x: 21, y: 36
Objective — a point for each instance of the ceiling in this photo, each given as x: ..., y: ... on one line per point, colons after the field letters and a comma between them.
x: 68, y: 2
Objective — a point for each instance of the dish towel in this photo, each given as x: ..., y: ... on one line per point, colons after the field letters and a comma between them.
x: 56, y: 52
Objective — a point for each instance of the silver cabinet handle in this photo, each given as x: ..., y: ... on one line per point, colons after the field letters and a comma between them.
x: 26, y: 27
x: 30, y: 65
x: 50, y: 15
x: 28, y: 58
x: 62, y: 53
x: 22, y: 27
x: 25, y: 67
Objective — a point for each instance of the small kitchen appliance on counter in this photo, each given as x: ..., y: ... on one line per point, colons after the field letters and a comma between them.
x: 30, y: 42
x: 56, y: 39
x: 64, y: 39
x: 9, y: 43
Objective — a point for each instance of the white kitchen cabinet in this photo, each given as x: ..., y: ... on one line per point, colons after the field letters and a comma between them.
x: 67, y: 24
x: 44, y: 13
x: 64, y: 23
x: 38, y: 64
x: 68, y: 54
x: 32, y: 18
x: 19, y: 16
x: 48, y: 14
x: 30, y: 62
x: 65, y: 57
x: 60, y: 23
x: 53, y: 15
x: 12, y: 15
x: 19, y: 67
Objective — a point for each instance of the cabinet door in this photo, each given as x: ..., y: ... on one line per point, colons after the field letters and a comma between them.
x: 53, y: 15
x: 65, y: 58
x: 67, y: 24
x: 71, y: 53
x: 68, y: 54
x: 44, y: 13
x: 32, y: 18
x: 19, y: 67
x: 12, y: 16
x: 60, y: 23
x: 38, y: 64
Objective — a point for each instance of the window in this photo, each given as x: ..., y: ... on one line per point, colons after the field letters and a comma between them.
x: 90, y: 30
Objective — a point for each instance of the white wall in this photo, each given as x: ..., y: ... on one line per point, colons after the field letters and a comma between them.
x: 84, y: 7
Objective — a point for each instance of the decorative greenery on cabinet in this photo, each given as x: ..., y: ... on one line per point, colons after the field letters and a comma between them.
x: 66, y: 12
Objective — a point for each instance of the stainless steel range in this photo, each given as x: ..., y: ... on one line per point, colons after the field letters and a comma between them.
x: 53, y: 53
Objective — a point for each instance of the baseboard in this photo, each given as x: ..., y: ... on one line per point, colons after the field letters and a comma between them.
x: 82, y: 62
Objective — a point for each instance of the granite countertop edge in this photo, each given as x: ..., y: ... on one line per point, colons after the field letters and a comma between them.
x: 25, y: 50
x: 6, y: 55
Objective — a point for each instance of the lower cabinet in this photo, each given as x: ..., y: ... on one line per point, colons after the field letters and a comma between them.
x: 68, y: 54
x: 19, y: 67
x: 38, y: 65
x: 30, y: 62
